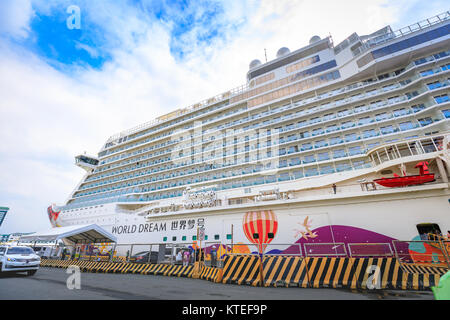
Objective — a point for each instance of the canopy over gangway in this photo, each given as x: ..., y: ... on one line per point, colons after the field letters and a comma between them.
x: 90, y: 233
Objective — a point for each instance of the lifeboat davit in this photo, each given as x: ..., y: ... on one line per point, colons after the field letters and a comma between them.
x: 397, y: 181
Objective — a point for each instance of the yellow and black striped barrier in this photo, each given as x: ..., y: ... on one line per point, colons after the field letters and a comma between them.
x: 287, y: 271
x: 282, y: 271
x: 422, y: 268
x: 210, y: 274
x: 421, y: 277
x: 378, y: 273
x: 324, y: 272
x: 241, y: 269
x: 120, y: 267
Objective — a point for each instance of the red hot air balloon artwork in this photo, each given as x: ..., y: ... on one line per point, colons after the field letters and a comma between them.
x: 260, y: 228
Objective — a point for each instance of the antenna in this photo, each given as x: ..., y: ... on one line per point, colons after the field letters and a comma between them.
x: 265, y: 53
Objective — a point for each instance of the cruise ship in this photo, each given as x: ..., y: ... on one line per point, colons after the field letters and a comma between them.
x: 328, y: 148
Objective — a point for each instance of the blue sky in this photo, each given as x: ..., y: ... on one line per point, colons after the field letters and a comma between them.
x: 190, y: 24
x: 64, y: 92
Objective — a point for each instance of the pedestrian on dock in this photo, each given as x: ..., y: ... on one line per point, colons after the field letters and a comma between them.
x: 179, y: 258
x: 213, y: 258
x: 186, y: 256
x: 334, y: 188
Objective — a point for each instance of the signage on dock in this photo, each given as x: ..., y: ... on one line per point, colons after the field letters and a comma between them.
x: 201, y: 234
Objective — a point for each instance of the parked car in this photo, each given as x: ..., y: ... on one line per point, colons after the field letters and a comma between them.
x: 18, y: 259
x: 142, y: 257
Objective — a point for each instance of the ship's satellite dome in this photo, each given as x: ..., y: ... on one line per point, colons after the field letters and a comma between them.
x: 282, y: 52
x: 314, y: 39
x: 255, y: 63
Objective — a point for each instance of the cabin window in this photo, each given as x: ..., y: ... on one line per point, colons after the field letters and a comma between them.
x: 255, y: 236
x: 229, y: 237
x: 165, y: 239
x: 183, y: 238
x: 216, y: 237
x: 425, y: 229
x: 194, y: 238
x: 270, y: 235
x: 174, y: 238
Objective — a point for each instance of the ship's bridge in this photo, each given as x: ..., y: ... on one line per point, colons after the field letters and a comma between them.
x: 88, y: 163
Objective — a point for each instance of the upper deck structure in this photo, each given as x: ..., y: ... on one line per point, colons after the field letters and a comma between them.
x: 321, y: 110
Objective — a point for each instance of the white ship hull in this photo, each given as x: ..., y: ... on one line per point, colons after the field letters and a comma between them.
x: 258, y: 164
x: 344, y: 219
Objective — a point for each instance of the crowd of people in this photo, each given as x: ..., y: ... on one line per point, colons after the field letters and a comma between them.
x: 189, y: 256
x: 185, y: 256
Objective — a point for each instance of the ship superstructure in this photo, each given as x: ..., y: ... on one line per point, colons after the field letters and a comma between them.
x: 313, y: 127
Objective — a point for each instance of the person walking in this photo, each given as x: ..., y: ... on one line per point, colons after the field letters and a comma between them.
x: 179, y: 257
x: 186, y: 257
x: 213, y: 258
x: 334, y: 188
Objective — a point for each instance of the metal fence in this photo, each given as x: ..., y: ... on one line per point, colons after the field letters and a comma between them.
x: 423, y: 252
x: 213, y: 253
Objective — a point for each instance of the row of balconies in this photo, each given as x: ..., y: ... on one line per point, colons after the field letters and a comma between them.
x: 286, y: 176
x: 294, y: 149
x: 307, y: 160
x: 289, y: 117
x: 323, y: 96
x: 303, y: 135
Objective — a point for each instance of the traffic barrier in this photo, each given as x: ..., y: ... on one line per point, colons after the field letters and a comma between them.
x: 328, y: 272
x: 118, y: 267
x: 420, y: 268
x: 186, y: 271
x: 173, y: 269
x: 139, y: 267
x: 376, y: 273
x: 209, y: 273
x: 325, y: 272
x: 289, y: 271
x: 161, y: 270
x: 420, y: 282
x: 146, y: 268
x: 241, y: 269
x: 127, y: 267
x: 100, y: 267
x: 150, y: 269
x: 421, y: 277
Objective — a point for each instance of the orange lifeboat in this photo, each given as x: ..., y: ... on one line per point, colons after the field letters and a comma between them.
x: 397, y: 181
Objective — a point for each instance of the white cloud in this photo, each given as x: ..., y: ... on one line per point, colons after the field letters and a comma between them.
x: 47, y: 117
x: 91, y: 51
x: 15, y: 17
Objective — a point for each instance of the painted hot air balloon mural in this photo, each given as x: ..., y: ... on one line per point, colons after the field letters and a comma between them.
x: 260, y: 228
